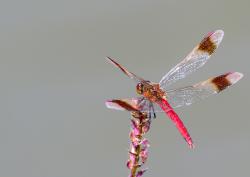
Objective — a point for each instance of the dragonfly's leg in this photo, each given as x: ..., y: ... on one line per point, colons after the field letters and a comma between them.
x: 149, y: 106
x: 141, y: 102
x: 153, y: 110
x: 150, y: 109
x: 146, y: 106
x: 149, y: 114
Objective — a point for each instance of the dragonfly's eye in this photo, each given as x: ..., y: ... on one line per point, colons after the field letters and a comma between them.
x: 139, y: 88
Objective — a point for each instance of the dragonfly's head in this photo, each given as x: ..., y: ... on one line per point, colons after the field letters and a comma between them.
x: 139, y: 88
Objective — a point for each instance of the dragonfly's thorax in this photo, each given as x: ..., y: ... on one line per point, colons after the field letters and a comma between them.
x: 151, y: 91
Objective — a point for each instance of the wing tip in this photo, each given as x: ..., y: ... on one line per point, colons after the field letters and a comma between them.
x: 112, y: 105
x: 122, y: 104
x: 123, y: 69
x: 109, y: 59
x: 234, y: 77
x: 216, y: 36
x: 220, y: 32
x: 108, y: 104
x: 211, y: 42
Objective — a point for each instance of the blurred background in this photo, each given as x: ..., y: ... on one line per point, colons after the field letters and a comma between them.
x: 55, y: 80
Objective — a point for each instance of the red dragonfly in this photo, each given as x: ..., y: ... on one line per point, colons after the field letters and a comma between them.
x: 155, y: 97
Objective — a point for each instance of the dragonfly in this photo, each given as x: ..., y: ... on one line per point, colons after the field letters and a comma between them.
x: 156, y: 97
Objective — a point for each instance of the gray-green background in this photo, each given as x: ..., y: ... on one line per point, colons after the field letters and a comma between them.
x: 54, y: 80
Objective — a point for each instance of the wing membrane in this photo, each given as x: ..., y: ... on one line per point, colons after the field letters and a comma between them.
x: 125, y: 71
x: 188, y: 95
x: 179, y: 97
x: 196, y: 59
x: 130, y: 104
x: 133, y: 104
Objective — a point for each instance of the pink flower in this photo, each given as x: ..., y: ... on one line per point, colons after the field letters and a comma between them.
x: 138, y: 152
x: 144, y: 155
x: 141, y: 172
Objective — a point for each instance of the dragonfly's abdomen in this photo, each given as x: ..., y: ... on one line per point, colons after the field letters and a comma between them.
x: 177, y: 121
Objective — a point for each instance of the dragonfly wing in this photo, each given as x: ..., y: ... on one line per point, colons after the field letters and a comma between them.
x: 128, y: 104
x: 188, y: 95
x: 133, y: 104
x: 196, y: 59
x: 125, y: 71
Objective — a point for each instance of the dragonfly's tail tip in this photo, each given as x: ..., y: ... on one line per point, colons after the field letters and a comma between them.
x: 191, y: 146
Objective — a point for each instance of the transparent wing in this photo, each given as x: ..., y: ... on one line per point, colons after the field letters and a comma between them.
x: 179, y: 97
x: 133, y: 104
x: 196, y: 59
x: 188, y: 95
x: 125, y: 71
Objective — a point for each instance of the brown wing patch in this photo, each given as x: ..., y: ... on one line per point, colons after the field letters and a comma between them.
x: 207, y: 45
x: 221, y: 82
x: 125, y: 105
